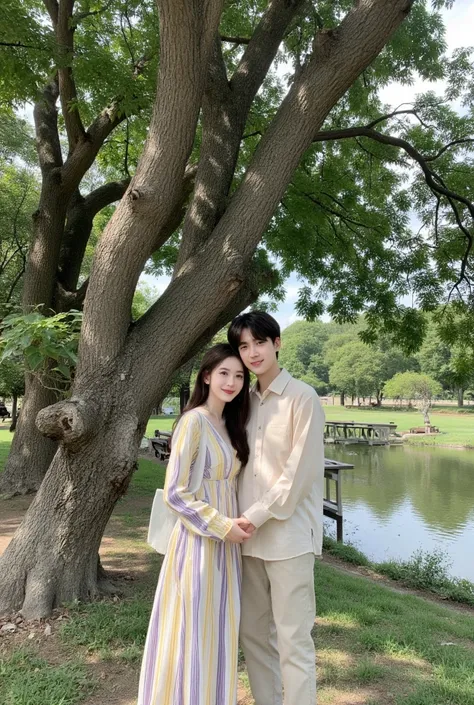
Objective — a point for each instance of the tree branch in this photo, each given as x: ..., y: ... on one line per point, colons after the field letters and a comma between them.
x: 83, y: 156
x: 337, y: 59
x: 430, y: 176
x: 342, y: 216
x: 234, y: 40
x: 87, y: 149
x: 433, y: 180
x: 61, y: 17
x: 187, y: 31
x: 80, y: 217
x: 77, y: 18
x: 463, y: 140
x: 395, y: 113
x: 262, y: 48
x: 20, y: 45
x: 52, y: 7
x: 103, y: 196
x: 45, y: 115
x: 225, y: 112
x: 66, y: 300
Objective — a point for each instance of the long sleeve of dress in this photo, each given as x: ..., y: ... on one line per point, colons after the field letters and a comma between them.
x: 184, y: 477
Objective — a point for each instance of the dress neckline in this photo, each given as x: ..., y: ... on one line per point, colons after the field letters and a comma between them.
x: 228, y: 446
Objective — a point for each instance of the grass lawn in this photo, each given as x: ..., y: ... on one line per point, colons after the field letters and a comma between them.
x: 374, y: 646
x: 455, y: 429
x: 5, y: 441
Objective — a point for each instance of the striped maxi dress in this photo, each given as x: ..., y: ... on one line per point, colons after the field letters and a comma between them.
x: 191, y: 648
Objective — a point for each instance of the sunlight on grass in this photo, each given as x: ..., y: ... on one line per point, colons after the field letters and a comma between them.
x: 338, y: 619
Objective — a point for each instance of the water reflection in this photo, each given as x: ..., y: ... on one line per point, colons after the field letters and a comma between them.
x: 401, y: 498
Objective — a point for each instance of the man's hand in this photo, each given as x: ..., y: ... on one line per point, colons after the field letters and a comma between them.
x: 238, y: 533
x: 246, y: 525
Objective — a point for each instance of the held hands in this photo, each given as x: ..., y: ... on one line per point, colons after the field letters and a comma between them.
x: 241, y: 530
x: 247, y: 526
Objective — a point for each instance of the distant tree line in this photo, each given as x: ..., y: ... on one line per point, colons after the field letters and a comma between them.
x: 334, y: 359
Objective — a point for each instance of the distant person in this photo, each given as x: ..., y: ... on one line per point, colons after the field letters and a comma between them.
x: 191, y: 650
x: 281, y: 496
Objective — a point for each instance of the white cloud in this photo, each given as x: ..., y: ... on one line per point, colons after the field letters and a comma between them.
x: 292, y: 292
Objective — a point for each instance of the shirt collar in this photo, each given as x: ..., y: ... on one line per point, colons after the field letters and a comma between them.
x: 277, y: 386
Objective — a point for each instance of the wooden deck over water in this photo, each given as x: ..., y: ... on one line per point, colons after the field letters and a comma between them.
x: 352, y: 432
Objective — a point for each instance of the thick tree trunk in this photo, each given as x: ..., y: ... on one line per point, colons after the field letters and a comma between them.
x: 342, y: 399
x: 53, y: 557
x: 31, y: 453
x: 460, y: 397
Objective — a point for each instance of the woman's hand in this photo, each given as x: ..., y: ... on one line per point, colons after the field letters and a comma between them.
x: 236, y: 534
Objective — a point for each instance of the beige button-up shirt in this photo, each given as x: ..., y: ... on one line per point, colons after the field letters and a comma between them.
x: 281, y: 487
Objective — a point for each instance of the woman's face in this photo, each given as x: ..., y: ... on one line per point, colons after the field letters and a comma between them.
x: 226, y: 379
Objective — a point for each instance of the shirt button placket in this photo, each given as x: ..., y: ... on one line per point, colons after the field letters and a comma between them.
x: 258, y: 453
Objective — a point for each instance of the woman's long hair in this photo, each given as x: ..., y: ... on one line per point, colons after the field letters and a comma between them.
x: 236, y: 412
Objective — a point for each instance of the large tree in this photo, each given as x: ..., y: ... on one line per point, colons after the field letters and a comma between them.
x: 343, y: 221
x: 200, y: 115
x: 357, y: 370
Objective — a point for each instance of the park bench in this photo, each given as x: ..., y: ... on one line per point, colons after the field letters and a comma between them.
x: 161, y: 445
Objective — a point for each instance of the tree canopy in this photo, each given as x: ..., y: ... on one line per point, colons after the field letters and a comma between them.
x: 343, y: 223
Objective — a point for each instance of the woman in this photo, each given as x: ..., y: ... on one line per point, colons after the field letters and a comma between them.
x: 192, y: 643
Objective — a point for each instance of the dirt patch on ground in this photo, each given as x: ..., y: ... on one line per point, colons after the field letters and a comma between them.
x: 12, y: 512
x: 118, y: 683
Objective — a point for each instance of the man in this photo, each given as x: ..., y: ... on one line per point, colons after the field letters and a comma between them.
x: 281, y: 496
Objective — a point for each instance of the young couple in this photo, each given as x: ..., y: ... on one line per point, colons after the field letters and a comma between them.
x: 245, y: 479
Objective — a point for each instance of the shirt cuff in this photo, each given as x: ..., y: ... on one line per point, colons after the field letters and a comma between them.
x: 257, y: 514
x: 220, y: 525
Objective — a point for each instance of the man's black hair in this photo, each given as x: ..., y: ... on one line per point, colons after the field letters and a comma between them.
x: 259, y: 323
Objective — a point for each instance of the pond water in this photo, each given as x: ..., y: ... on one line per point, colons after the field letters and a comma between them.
x: 398, y: 499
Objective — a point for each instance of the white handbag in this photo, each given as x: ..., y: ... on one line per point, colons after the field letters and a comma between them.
x: 162, y: 523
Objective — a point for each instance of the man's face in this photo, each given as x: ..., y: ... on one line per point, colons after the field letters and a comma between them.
x: 259, y: 356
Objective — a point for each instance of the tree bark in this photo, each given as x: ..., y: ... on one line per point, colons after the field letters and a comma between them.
x: 460, y: 397
x: 53, y: 557
x: 51, y: 278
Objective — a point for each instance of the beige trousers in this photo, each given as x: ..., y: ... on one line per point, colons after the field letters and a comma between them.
x: 278, y: 611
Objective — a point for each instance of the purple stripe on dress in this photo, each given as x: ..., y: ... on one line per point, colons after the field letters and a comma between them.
x: 178, y: 686
x: 195, y: 643
x: 152, y: 644
x: 226, y: 453
x: 175, y: 501
x: 181, y: 549
x: 221, y: 655
x: 207, y: 465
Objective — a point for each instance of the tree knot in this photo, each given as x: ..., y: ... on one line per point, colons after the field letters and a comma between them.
x: 67, y: 421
